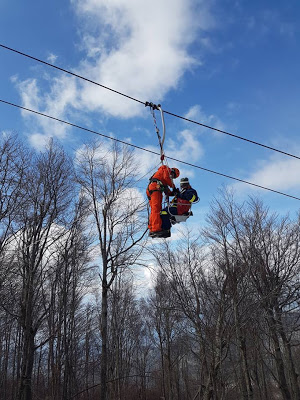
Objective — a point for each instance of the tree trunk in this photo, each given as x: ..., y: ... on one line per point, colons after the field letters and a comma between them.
x: 104, y: 338
x: 245, y: 368
x: 246, y: 381
x: 283, y: 385
x: 293, y: 376
x: 169, y: 369
x: 25, y: 392
x: 292, y: 372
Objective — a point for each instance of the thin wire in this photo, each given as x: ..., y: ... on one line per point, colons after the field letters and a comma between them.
x: 149, y: 151
x: 142, y: 102
x: 69, y: 72
x: 232, y: 134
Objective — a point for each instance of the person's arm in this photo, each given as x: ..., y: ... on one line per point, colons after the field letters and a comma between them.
x: 173, y: 192
x: 167, y: 177
x: 189, y: 195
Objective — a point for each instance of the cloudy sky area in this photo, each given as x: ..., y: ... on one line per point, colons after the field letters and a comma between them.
x: 233, y: 65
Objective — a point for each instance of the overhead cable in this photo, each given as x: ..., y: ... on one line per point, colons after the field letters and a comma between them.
x: 147, y: 150
x: 233, y: 135
x: 145, y: 103
x: 70, y: 73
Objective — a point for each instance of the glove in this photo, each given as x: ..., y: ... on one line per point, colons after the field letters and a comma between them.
x: 176, y: 191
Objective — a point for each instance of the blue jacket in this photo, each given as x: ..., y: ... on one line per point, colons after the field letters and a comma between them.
x: 188, y: 194
x: 184, y: 200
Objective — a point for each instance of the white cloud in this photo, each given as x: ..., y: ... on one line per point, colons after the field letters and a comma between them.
x: 186, y: 148
x: 197, y: 114
x: 145, y: 276
x: 39, y: 141
x: 278, y: 174
x: 55, y: 103
x: 30, y: 94
x: 145, y: 49
x: 146, y: 161
x: 51, y: 58
x: 136, y: 47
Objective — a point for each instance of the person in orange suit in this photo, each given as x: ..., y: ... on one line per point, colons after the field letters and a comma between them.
x: 161, y: 181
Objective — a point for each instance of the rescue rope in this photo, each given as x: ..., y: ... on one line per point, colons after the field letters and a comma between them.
x: 161, y: 141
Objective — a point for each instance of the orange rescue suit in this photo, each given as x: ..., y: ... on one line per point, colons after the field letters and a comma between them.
x: 159, y: 183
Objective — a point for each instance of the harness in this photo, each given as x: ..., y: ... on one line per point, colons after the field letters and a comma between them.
x: 183, y: 209
x: 160, y: 186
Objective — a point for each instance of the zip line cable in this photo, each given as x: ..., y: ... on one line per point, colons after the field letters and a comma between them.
x: 145, y: 103
x: 233, y: 135
x: 70, y: 73
x: 147, y: 150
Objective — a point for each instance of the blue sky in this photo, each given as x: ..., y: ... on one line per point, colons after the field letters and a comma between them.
x: 234, y: 65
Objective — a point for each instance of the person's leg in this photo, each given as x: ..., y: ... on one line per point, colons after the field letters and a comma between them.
x: 165, y: 218
x: 172, y: 211
x: 155, y: 204
x: 149, y: 198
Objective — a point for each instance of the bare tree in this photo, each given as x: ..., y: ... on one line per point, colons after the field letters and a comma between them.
x: 201, y: 295
x: 13, y: 165
x: 47, y: 185
x: 107, y: 177
x: 274, y: 257
x: 12, y: 169
x: 168, y: 326
x: 220, y: 234
x: 125, y: 328
x: 68, y: 285
x: 263, y: 249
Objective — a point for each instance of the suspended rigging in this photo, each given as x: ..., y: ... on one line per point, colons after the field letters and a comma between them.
x: 158, y: 190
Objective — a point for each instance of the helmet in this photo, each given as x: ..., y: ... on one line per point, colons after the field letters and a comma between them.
x: 184, y: 182
x: 175, y: 172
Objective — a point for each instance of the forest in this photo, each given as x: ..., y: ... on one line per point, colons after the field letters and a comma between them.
x: 221, y: 320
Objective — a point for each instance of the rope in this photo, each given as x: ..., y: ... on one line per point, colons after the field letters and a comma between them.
x: 152, y: 108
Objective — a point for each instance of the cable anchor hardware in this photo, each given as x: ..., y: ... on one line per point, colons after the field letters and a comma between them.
x: 161, y: 141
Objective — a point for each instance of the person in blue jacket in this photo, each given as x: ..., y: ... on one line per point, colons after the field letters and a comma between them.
x: 180, y: 205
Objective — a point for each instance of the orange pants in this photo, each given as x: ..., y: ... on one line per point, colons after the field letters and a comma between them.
x: 155, y: 205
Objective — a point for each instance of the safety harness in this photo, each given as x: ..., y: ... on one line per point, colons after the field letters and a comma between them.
x: 183, y: 209
x: 159, y: 188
